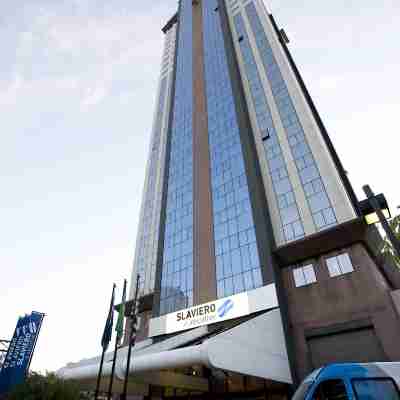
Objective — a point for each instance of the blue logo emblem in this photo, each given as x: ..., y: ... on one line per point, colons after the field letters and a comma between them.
x: 224, y: 308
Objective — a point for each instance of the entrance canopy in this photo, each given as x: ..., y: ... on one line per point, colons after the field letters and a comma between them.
x: 254, y: 348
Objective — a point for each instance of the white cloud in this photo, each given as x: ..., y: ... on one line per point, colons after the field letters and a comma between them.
x: 57, y: 53
x: 20, y: 90
x: 93, y: 97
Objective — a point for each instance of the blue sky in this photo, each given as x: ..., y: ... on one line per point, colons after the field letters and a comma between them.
x: 77, y: 91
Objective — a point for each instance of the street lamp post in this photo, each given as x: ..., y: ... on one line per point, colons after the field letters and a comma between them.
x: 382, y: 219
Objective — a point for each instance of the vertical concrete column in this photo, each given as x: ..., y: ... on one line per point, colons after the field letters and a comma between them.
x: 204, y: 278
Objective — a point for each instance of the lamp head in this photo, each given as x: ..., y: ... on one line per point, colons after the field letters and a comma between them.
x: 368, y: 211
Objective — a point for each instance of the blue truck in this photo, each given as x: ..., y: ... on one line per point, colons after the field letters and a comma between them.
x: 372, y: 381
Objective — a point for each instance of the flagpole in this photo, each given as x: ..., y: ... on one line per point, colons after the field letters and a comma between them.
x: 131, y: 339
x: 96, y: 393
x: 112, y: 371
x: 117, y: 342
x: 104, y: 346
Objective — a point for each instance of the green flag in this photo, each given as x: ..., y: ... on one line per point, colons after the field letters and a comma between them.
x: 119, y: 328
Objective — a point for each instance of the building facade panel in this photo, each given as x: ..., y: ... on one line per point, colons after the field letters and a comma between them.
x: 313, y: 185
x: 204, y: 251
x: 238, y: 265
x: 334, y: 185
x: 317, y: 200
x: 339, y: 303
x: 291, y: 226
x: 145, y: 258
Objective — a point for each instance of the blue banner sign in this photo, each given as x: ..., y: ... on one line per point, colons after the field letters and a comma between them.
x: 20, y: 351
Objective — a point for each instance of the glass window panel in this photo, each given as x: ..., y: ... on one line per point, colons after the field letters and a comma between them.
x: 319, y: 220
x: 283, y: 186
x: 309, y: 274
x: 329, y: 216
x: 234, y: 242
x: 308, y: 174
x: 220, y: 289
x: 226, y: 245
x: 219, y: 267
x: 308, y: 189
x: 345, y: 263
x: 333, y: 266
x: 276, y: 163
x: 257, y: 278
x: 298, y: 229
x: 227, y: 265
x: 254, y: 258
x: 318, y: 202
x: 245, y: 255
x: 243, y: 240
x: 236, y: 262
x: 288, y: 232
x: 299, y: 278
x: 228, y: 287
x: 238, y: 283
x: 251, y: 235
x: 248, y: 280
x: 289, y: 215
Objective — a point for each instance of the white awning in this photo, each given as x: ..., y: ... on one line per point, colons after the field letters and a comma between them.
x: 255, y: 347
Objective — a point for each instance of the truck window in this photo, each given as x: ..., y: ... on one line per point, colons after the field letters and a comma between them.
x: 375, y: 389
x: 333, y: 389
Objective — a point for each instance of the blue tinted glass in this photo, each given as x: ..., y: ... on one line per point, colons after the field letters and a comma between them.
x: 146, y: 249
x: 292, y: 228
x: 177, y: 270
x: 237, y: 261
x: 304, y: 159
x: 367, y: 389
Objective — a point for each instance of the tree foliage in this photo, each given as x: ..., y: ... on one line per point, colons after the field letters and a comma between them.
x: 387, y: 247
x: 45, y: 387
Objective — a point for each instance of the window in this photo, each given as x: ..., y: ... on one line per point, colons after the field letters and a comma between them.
x: 339, y: 265
x: 304, y: 275
x: 331, y: 390
x: 371, y: 389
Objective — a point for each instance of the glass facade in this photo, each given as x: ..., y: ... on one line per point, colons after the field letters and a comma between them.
x: 238, y: 266
x: 291, y: 224
x: 147, y: 246
x: 177, y: 266
x: 314, y: 189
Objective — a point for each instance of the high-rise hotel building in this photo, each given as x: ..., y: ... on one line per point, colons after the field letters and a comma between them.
x: 255, y: 263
